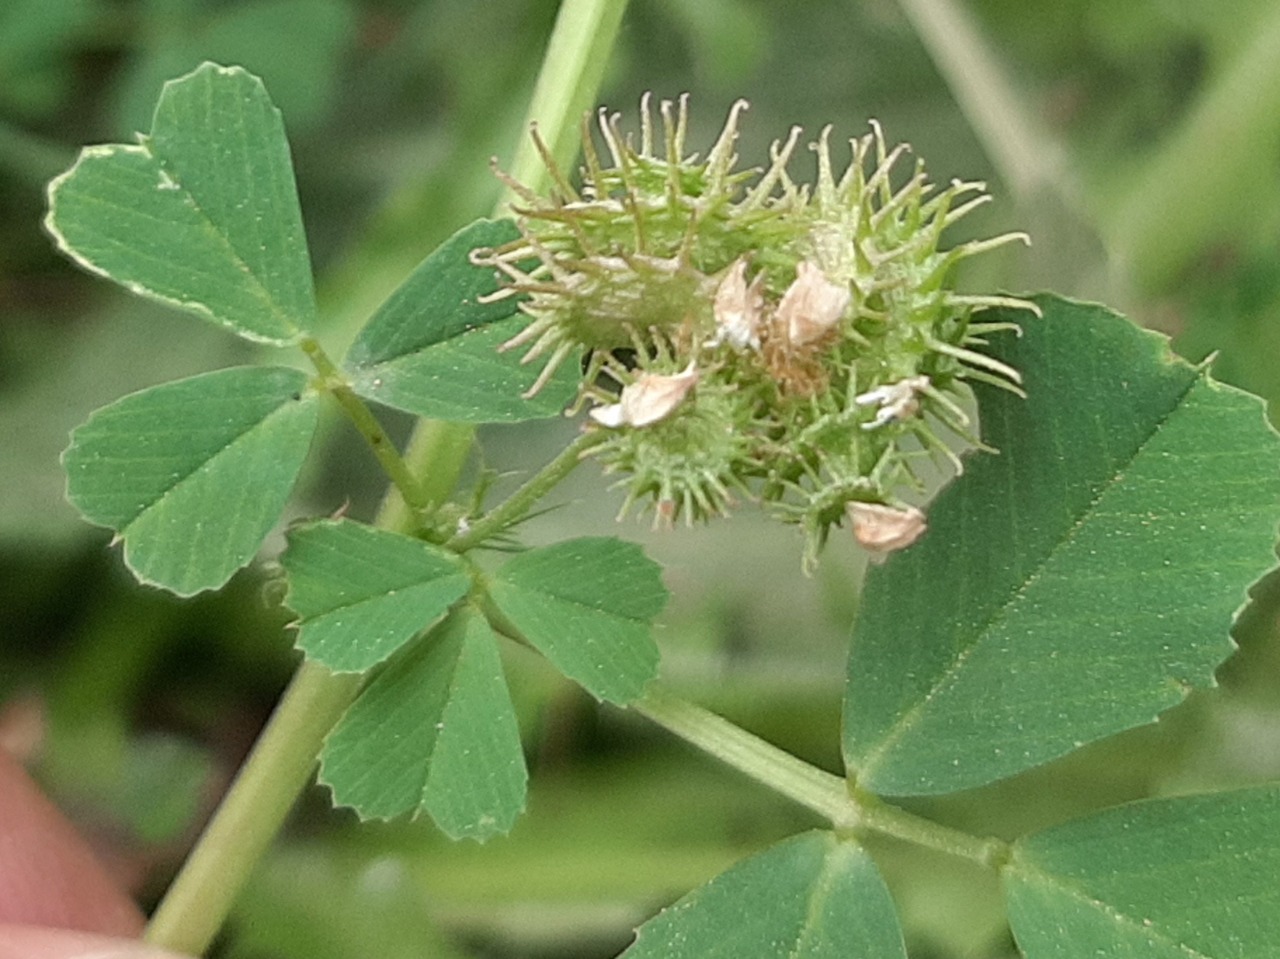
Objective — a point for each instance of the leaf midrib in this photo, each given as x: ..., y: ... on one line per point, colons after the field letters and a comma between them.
x: 544, y: 594
x: 1078, y: 893
x: 257, y: 288
x: 282, y: 407
x: 909, y: 719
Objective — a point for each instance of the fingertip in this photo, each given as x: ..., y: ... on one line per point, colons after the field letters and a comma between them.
x: 38, y: 942
x: 48, y: 874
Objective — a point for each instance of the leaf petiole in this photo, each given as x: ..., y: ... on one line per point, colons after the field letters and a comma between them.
x: 844, y: 805
x: 412, y: 491
x: 811, y: 787
x: 517, y: 506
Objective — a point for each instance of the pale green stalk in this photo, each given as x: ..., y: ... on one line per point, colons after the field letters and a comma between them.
x: 782, y: 772
x: 250, y: 815
x: 875, y: 815
x: 567, y: 87
x: 406, y: 484
x: 1199, y: 183
x: 517, y: 506
x: 437, y: 453
x: 845, y: 807
x: 1026, y: 156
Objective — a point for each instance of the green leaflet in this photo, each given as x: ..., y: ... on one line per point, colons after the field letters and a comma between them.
x: 587, y: 605
x: 201, y: 214
x: 810, y: 897
x: 1193, y: 876
x: 434, y: 732
x: 193, y: 474
x: 1078, y: 582
x: 432, y: 347
x: 361, y: 593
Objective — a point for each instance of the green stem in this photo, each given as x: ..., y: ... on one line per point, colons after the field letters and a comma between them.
x: 782, y: 772
x: 826, y: 794
x: 518, y: 504
x: 573, y: 66
x: 254, y: 808
x: 437, y: 452
x: 878, y: 816
x: 1026, y: 156
x: 572, y: 69
x: 282, y: 760
x: 402, y: 478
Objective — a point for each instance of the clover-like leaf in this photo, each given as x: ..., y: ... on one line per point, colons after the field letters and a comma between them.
x: 193, y: 474
x: 813, y: 896
x: 434, y: 732
x: 201, y: 214
x: 587, y: 605
x: 432, y: 347
x: 361, y: 593
x: 1192, y: 876
x: 1078, y: 582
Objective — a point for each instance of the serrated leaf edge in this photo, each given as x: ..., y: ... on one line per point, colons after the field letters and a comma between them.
x: 419, y: 808
x: 1164, y: 354
x: 474, y: 834
x: 1147, y: 928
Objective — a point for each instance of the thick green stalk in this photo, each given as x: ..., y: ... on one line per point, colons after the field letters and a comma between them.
x: 572, y: 70
x: 437, y: 453
x: 284, y: 757
x: 265, y: 789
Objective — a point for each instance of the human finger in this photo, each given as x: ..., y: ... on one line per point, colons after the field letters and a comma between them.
x: 48, y: 874
x: 36, y: 942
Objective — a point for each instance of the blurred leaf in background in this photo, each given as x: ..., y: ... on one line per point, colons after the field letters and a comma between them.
x: 37, y: 42
x: 393, y: 108
x: 303, y: 74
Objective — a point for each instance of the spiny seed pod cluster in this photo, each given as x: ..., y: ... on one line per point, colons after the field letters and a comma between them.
x: 745, y: 337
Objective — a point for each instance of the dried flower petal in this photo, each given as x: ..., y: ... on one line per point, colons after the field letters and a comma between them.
x: 738, y: 307
x: 811, y: 306
x: 652, y: 397
x: 885, y: 529
x: 897, y: 401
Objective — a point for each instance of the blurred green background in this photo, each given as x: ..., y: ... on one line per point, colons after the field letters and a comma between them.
x: 1138, y: 143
